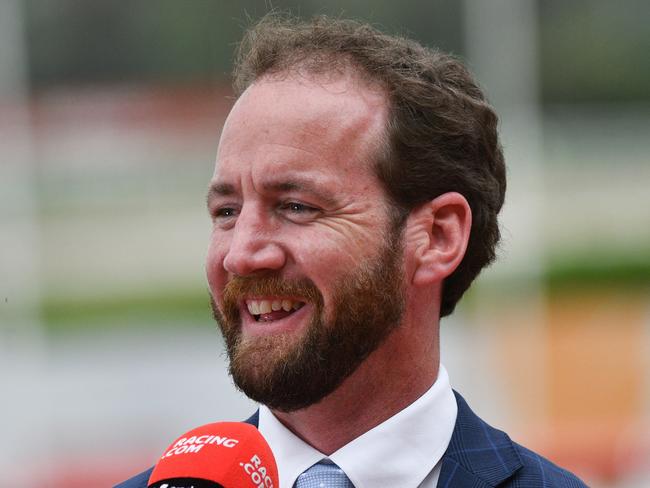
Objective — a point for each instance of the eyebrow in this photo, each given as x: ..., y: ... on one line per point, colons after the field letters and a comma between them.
x: 301, y: 186
x: 221, y: 189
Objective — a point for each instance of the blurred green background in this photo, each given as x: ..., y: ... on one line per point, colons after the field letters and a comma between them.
x: 110, y: 114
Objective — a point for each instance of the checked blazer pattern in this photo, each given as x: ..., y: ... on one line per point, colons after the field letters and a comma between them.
x: 478, y: 456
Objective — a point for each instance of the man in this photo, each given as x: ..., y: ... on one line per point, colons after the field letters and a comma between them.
x: 355, y: 198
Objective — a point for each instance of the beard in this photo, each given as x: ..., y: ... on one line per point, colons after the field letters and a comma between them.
x: 288, y: 373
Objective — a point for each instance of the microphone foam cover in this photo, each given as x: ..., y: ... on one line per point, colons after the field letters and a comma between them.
x: 218, y: 455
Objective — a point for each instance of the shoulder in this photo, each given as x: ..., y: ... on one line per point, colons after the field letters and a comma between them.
x: 539, y: 471
x: 478, y: 455
x: 139, y: 481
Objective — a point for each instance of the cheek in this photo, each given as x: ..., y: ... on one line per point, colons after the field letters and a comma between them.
x: 214, y: 270
x: 326, y: 267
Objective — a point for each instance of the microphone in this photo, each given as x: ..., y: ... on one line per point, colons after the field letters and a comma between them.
x: 218, y: 455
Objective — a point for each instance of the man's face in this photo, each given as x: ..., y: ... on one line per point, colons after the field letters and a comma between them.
x: 303, y: 265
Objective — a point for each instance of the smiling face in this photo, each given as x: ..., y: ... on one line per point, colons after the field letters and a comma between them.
x: 303, y: 265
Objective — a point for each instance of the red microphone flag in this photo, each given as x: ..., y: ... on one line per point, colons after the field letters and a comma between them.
x: 232, y: 454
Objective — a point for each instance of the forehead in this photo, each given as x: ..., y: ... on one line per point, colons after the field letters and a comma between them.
x: 304, y: 124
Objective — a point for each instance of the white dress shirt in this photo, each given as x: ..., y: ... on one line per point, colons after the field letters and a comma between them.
x: 403, y: 451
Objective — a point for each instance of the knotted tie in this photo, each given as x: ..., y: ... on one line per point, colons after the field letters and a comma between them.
x: 324, y: 474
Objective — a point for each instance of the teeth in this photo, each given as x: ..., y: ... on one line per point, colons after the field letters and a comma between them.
x: 253, y: 307
x: 258, y: 307
x: 265, y: 306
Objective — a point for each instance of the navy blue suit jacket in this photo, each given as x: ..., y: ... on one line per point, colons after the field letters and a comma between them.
x: 478, y: 456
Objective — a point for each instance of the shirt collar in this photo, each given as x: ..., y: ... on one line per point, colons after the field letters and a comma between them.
x: 408, y: 445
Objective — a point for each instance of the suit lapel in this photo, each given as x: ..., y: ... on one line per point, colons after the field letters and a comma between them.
x: 478, y: 455
x: 254, y: 419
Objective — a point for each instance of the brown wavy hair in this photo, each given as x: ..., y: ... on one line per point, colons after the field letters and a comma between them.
x: 441, y: 135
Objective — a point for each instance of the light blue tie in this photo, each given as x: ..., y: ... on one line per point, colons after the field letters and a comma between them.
x: 324, y: 474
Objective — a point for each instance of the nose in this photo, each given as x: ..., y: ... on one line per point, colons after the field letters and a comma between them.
x: 253, y: 246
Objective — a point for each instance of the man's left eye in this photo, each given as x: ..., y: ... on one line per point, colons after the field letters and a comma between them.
x: 296, y: 207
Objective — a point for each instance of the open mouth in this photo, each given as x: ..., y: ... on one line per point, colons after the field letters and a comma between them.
x: 267, y: 310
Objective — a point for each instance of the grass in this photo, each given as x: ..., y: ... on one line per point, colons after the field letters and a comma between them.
x: 175, y: 307
x: 598, y: 271
x: 594, y: 272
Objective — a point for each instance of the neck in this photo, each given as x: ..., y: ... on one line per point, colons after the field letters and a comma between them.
x: 390, y: 379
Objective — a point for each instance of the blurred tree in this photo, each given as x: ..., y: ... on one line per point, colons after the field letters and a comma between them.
x: 591, y: 50
x: 595, y: 50
x: 74, y: 41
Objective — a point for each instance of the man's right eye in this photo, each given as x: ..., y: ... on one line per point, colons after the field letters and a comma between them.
x: 224, y: 212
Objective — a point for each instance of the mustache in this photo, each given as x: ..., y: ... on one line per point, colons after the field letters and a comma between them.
x: 240, y: 287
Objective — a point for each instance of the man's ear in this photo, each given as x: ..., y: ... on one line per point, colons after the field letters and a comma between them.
x: 437, y: 233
